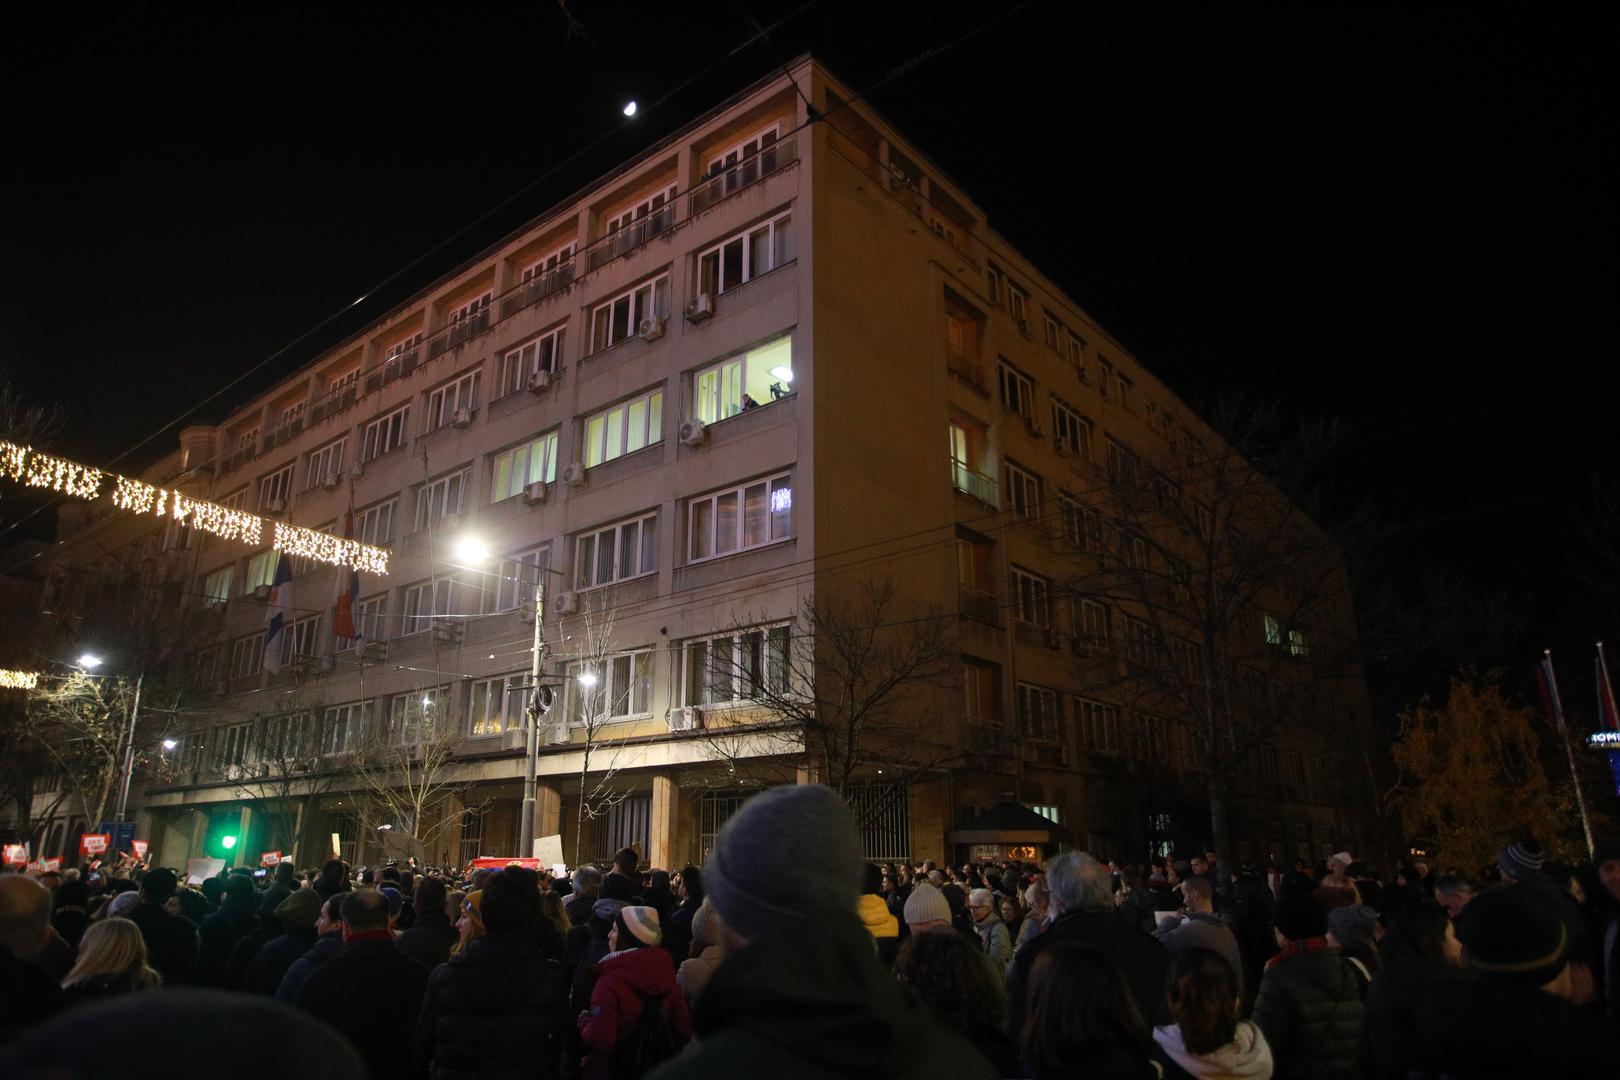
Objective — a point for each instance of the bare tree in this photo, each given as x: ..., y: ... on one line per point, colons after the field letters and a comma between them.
x: 79, y: 722
x: 287, y: 764
x: 407, y: 774
x: 603, y: 688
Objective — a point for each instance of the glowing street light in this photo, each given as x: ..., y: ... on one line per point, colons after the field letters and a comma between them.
x: 470, y: 549
x: 169, y: 744
x: 89, y: 660
x: 587, y: 679
x: 227, y: 842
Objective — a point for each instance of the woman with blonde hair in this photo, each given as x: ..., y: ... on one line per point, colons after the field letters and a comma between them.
x: 471, y: 923
x: 112, y: 961
x: 552, y: 909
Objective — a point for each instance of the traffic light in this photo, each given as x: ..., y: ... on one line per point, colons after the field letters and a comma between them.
x: 224, y: 833
x: 227, y: 842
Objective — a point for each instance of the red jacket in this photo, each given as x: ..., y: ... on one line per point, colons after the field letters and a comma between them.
x: 625, y: 982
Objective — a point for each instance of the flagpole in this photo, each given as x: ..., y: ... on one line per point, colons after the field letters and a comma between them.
x: 1563, y: 734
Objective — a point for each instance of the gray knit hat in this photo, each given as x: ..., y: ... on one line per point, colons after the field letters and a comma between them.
x: 926, y: 904
x: 789, y: 852
x: 1352, y: 925
x: 1520, y: 859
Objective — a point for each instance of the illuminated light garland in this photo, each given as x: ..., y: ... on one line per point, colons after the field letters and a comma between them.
x: 28, y: 466
x: 18, y: 680
x: 324, y: 547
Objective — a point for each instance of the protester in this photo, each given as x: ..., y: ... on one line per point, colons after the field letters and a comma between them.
x: 1201, y: 928
x: 1252, y: 927
x: 587, y: 886
x: 28, y: 994
x: 1418, y: 952
x: 370, y: 991
x: 965, y: 990
x: 555, y: 918
x: 926, y: 909
x: 1208, y: 1040
x: 1083, y: 912
x: 1606, y: 856
x: 296, y: 915
x: 1080, y: 1017
x: 269, y: 926
x: 638, y: 1016
x: 69, y: 915
x: 431, y: 937
x: 1011, y: 914
x: 801, y: 992
x: 874, y: 914
x: 222, y: 929
x: 328, y: 941
x: 694, y: 973
x: 994, y: 938
x: 1135, y: 902
x: 334, y: 879
x: 1453, y: 892
x: 112, y: 961
x: 678, y: 927
x: 172, y: 942
x: 1352, y: 931
x: 658, y: 895
x: 470, y: 925
x: 622, y: 882
x: 495, y: 1009
x: 1310, y: 1000
x: 1038, y: 902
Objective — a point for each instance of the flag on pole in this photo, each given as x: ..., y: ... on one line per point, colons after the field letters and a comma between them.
x: 1548, y: 684
x: 281, y: 602
x: 1608, y: 717
x: 343, y: 623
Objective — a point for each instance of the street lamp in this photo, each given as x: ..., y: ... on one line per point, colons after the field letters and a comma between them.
x: 89, y: 661
x: 587, y: 678
x: 170, y: 744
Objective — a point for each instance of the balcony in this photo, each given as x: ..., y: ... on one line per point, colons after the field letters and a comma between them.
x: 985, y: 736
x: 528, y: 293
x: 748, y: 171
x: 240, y: 456
x: 333, y: 402
x: 458, y: 333
x: 632, y: 236
x: 979, y: 606
x: 282, y: 433
x: 968, y: 370
x: 970, y: 481
x: 392, y: 368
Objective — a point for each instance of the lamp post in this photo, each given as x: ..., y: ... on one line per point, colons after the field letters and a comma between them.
x: 89, y: 661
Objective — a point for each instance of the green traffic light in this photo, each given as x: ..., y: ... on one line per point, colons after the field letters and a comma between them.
x: 227, y: 842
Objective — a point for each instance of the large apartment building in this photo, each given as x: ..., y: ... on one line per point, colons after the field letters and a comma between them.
x: 774, y: 352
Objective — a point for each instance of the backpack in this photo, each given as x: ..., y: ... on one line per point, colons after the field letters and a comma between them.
x: 651, y: 1042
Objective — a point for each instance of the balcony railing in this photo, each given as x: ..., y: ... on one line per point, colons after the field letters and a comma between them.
x: 240, y: 456
x: 281, y: 433
x: 392, y: 368
x: 968, y: 370
x: 528, y: 293
x: 970, y: 481
x: 985, y: 736
x: 333, y: 402
x: 632, y: 236
x: 978, y: 606
x: 458, y: 333
x: 748, y: 171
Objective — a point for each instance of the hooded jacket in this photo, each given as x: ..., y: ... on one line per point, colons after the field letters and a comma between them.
x: 1310, y: 1009
x: 627, y: 982
x: 491, y: 1012
x: 1246, y: 1057
x: 815, y: 1002
x: 884, y: 927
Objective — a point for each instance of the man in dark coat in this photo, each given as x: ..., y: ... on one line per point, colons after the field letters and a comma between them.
x: 658, y: 895
x: 296, y: 916
x: 27, y: 994
x: 1083, y: 911
x: 623, y: 882
x: 678, y: 927
x: 370, y: 991
x: 242, y: 953
x: 1310, y: 1004
x: 171, y: 941
x: 432, y: 935
x: 587, y: 886
x: 328, y: 942
x: 496, y: 1009
x: 221, y: 930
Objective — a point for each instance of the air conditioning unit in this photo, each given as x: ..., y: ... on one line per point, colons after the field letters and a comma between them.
x: 356, y: 471
x: 573, y: 474
x: 554, y: 734
x: 694, y: 433
x: 685, y: 718
x: 235, y: 771
x: 539, y: 382
x: 526, y: 614
x: 450, y: 522
x: 461, y: 418
x: 515, y: 738
x: 330, y: 480
x: 261, y: 593
x: 374, y: 651
x: 325, y: 663
x: 1034, y: 429
x: 447, y: 631
x: 651, y: 328
x: 534, y: 494
x: 566, y: 603
x: 1026, y: 329
x: 275, y: 507
x: 701, y: 307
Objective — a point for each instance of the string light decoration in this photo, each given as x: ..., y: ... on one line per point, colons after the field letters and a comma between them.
x: 28, y: 466
x: 18, y: 680
x: 324, y: 547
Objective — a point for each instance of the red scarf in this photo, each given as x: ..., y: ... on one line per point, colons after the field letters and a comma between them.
x: 1302, y: 947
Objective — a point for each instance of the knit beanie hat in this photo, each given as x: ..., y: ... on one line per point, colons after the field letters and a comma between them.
x: 706, y: 925
x: 396, y: 900
x: 1298, y: 916
x: 607, y: 909
x: 1509, y: 935
x: 300, y: 909
x: 789, y: 852
x: 642, y: 923
x: 1520, y: 859
x: 123, y: 904
x: 926, y: 904
x: 1352, y: 927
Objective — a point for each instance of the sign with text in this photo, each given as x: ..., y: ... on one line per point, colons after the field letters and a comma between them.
x: 497, y: 863
x: 548, y: 849
x: 16, y: 854
x: 140, y: 848
x: 269, y: 858
x: 337, y: 846
x: 200, y: 870
x: 93, y: 843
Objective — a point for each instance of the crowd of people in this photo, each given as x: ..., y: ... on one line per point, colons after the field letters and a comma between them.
x: 788, y: 955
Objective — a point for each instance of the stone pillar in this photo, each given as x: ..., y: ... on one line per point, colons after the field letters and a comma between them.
x: 665, y: 825
x: 547, y: 812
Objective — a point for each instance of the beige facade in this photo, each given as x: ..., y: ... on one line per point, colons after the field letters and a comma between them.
x: 688, y: 399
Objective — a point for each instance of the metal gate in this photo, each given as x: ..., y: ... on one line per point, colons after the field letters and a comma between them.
x: 627, y: 824
x: 883, y: 814
x: 714, y: 810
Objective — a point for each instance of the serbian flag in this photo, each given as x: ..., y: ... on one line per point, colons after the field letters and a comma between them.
x: 1608, y: 717
x: 1547, y: 683
x: 343, y: 623
x: 281, y: 602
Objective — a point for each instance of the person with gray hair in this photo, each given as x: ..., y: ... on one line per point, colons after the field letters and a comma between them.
x: 587, y: 888
x: 28, y: 994
x: 1082, y: 911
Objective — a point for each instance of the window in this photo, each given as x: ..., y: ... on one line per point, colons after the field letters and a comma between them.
x: 248, y: 439
x: 497, y: 704
x: 1099, y: 726
x: 217, y: 586
x: 967, y: 454
x: 413, y: 715
x: 745, y: 256
x: 385, y: 433
x: 1017, y: 302
x: 261, y: 570
x: 1133, y: 552
x: 402, y: 347
x: 247, y: 656
x: 1017, y: 392
x: 547, y: 264
x: 754, y: 154
x: 1077, y: 355
x: 232, y: 745
x: 1030, y: 598
x: 1054, y: 331
x: 1093, y: 624
x: 345, y: 727
x: 625, y: 428
x: 544, y: 353
x: 1037, y: 712
x: 979, y: 694
x: 1296, y: 644
x: 513, y: 582
x: 513, y: 470
x: 1204, y: 521
x: 621, y: 551
x: 1293, y: 768
x: 236, y: 500
x: 1121, y: 462
x: 620, y: 318
x: 325, y: 463
x: 442, y: 404
x: 426, y: 601
x: 1125, y: 399
x: 276, y: 487
x: 446, y: 495
x: 1188, y: 659
x: 1071, y: 431
x: 1267, y: 756
x: 375, y: 525
x: 1140, y: 643
x: 756, y: 377
x: 623, y: 688
x: 1023, y: 491
x: 303, y: 638
x: 739, y: 518
x: 369, y: 618
x: 1274, y: 634
x: 468, y: 310
x: 648, y: 207
x: 993, y: 280
x: 1080, y: 525
x: 737, y: 667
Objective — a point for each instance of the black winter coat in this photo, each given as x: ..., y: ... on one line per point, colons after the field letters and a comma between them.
x: 326, y: 946
x: 269, y: 965
x: 678, y: 931
x: 219, y: 934
x: 171, y: 943
x: 1138, y: 956
x: 1310, y: 1010
x: 579, y: 908
x: 1484, y: 1031
x: 430, y: 939
x: 247, y: 947
x: 1393, y: 1045
x: 495, y: 1012
x: 372, y: 993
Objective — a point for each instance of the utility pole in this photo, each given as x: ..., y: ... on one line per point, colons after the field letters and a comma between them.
x: 532, y: 759
x: 129, y: 749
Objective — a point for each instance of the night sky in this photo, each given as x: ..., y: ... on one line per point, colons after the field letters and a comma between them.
x: 1404, y: 220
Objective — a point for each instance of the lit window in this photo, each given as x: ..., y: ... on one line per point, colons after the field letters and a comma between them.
x: 261, y: 570
x: 749, y: 516
x: 513, y: 470
x: 497, y: 704
x: 625, y: 428
x: 756, y: 377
